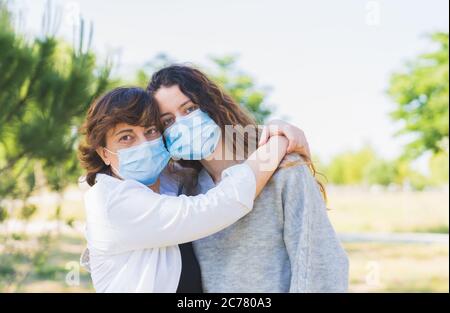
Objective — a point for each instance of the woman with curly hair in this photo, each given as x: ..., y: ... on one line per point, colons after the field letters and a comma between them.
x: 137, y: 237
x: 286, y: 244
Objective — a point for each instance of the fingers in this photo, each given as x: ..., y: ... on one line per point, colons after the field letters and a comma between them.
x: 293, y: 144
x: 295, y: 136
x: 298, y: 142
x: 264, y: 136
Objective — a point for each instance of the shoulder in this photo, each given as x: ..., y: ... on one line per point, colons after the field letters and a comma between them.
x: 117, y: 201
x: 294, y: 169
x: 291, y: 179
x: 103, y: 186
x: 108, y: 189
x: 98, y: 195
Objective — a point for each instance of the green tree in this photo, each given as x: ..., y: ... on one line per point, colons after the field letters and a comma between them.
x: 241, y: 86
x: 398, y: 172
x: 421, y: 94
x: 46, y: 87
x: 381, y: 172
x: 364, y: 166
x: 348, y: 168
x: 154, y: 64
x: 439, y: 169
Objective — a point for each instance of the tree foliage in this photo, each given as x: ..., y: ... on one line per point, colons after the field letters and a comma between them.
x: 421, y: 94
x: 46, y: 87
x: 366, y: 167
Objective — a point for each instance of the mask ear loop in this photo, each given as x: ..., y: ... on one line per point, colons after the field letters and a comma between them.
x: 115, y: 169
x: 110, y: 151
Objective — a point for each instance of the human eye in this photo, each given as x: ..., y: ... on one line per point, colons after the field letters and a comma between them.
x: 152, y: 131
x: 126, y: 139
x: 191, y: 108
x: 167, y: 122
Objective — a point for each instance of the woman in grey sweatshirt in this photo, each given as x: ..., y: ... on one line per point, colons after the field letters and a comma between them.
x: 287, y: 243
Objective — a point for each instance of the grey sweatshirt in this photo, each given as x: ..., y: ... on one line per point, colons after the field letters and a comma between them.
x: 286, y: 244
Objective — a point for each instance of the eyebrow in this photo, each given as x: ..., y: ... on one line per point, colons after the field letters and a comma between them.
x: 123, y: 131
x: 184, y: 103
x: 179, y: 107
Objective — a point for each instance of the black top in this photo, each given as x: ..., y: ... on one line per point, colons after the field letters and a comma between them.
x: 190, y: 279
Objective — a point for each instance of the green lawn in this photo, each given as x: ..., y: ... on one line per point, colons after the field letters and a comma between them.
x: 398, y: 267
x: 42, y: 264
x: 356, y: 210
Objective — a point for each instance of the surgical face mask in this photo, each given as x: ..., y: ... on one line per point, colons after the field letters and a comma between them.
x: 192, y: 137
x: 143, y: 163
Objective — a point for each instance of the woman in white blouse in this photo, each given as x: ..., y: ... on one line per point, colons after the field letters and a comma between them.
x: 132, y: 231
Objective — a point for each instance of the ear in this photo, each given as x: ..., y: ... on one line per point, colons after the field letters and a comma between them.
x: 102, y: 153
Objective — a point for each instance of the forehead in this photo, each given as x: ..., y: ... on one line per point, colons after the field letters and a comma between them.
x: 170, y: 97
x: 122, y: 126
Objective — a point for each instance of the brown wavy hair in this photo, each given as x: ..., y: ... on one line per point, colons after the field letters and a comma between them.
x: 129, y: 105
x: 220, y: 106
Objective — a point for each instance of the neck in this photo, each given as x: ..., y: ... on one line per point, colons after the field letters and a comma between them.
x: 155, y: 186
x: 217, y: 163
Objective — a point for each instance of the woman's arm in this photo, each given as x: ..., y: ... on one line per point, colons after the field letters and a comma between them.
x: 265, y: 160
x: 296, y: 137
x: 141, y: 218
x: 318, y: 261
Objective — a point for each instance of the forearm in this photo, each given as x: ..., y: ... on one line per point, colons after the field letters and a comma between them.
x: 265, y: 160
x: 142, y: 219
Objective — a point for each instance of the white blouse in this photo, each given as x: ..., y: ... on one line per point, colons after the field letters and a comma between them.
x: 133, y: 233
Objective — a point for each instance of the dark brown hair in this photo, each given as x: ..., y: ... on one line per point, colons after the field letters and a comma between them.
x: 129, y: 105
x: 213, y: 100
x: 203, y: 92
x: 209, y: 97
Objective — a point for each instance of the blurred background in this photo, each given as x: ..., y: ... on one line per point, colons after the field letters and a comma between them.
x: 366, y: 80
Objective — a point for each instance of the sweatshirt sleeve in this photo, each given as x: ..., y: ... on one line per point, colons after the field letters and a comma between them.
x: 140, y: 218
x: 318, y: 261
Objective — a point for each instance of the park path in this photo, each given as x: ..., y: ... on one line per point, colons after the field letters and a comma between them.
x: 394, y: 238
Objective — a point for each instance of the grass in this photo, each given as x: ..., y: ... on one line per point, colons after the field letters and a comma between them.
x: 34, y: 266
x: 398, y: 268
x: 357, y: 210
x: 373, y: 267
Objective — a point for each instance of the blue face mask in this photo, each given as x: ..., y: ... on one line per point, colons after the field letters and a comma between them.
x: 192, y: 137
x: 143, y: 163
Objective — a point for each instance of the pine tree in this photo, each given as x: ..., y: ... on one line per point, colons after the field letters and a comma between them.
x: 46, y: 86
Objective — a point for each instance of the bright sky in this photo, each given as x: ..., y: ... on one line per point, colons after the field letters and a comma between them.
x: 328, y: 62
